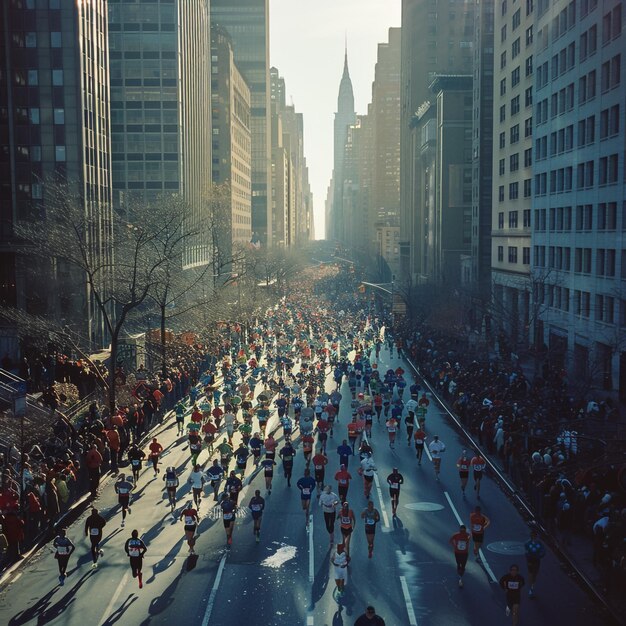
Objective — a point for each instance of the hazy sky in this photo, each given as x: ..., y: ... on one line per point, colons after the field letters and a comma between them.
x: 306, y: 45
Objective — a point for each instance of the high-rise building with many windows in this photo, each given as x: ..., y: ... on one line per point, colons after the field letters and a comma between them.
x: 579, y: 207
x: 247, y: 22
x: 54, y: 124
x: 160, y: 113
x: 514, y: 33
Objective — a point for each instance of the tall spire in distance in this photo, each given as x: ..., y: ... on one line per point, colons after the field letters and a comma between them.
x: 345, y: 101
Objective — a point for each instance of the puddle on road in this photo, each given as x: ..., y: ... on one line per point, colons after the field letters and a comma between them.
x: 280, y: 557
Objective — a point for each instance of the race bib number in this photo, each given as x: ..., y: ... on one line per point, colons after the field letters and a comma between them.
x: 513, y: 585
x: 395, y: 485
x: 477, y: 528
x: 228, y: 515
x: 189, y: 520
x: 306, y: 491
x: 133, y: 551
x: 94, y: 531
x: 170, y: 483
x: 461, y: 545
x: 62, y: 550
x: 255, y: 507
x: 370, y: 521
x: 136, y: 462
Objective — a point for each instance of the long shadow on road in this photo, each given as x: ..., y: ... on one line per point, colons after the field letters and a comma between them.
x: 320, y: 582
x: 166, y: 598
x: 117, y: 615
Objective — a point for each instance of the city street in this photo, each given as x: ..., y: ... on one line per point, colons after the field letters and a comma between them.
x: 286, y: 579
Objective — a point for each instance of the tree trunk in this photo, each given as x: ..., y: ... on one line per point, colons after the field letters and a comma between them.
x: 163, y: 345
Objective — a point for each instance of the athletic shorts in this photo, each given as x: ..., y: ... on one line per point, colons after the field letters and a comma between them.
x: 463, y: 474
x: 478, y: 537
x: 228, y: 522
x: 533, y: 565
x: 319, y: 476
x: 346, y: 531
x: 394, y: 493
x: 369, y: 479
x: 190, y: 528
x: 478, y: 475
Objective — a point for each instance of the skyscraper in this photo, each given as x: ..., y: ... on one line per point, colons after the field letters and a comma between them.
x: 232, y: 142
x: 160, y: 90
x: 54, y: 123
x: 344, y: 118
x: 247, y: 22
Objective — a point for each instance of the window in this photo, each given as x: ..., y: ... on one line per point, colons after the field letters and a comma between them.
x: 501, y: 220
x: 502, y: 140
x: 609, y: 122
x: 584, y: 217
x: 528, y: 187
x: 515, y: 77
x: 503, y: 60
x: 59, y: 154
x: 528, y: 157
x: 512, y: 219
x: 605, y: 262
x: 515, y: 48
x: 33, y: 115
x: 582, y: 260
x: 59, y: 116
x: 501, y: 253
x: 57, y: 78
x: 609, y: 169
x: 503, y: 34
x: 528, y: 97
x: 526, y: 256
x: 516, y: 19
x: 515, y: 106
x: 502, y: 113
x: 529, y: 65
x: 514, y: 133
x: 512, y: 254
x: 513, y: 191
x: 514, y: 162
x: 503, y: 86
x: 526, y: 218
x: 607, y: 216
x: 30, y: 40
x: 33, y: 78
x: 529, y: 36
x: 528, y: 127
x: 501, y: 166
x: 501, y: 193
x: 55, y: 39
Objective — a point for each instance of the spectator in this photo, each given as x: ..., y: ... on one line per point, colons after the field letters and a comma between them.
x: 93, y: 461
x: 369, y: 618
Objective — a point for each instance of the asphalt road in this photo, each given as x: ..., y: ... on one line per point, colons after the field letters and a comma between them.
x: 286, y: 579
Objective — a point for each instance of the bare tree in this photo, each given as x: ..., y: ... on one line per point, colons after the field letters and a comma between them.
x: 118, y: 280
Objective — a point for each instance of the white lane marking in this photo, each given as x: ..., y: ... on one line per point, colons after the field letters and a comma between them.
x: 382, y: 502
x: 309, y: 620
x: 408, y: 602
x: 17, y: 576
x: 216, y: 584
x: 311, y: 551
x: 456, y: 513
x: 480, y: 552
x: 116, y: 595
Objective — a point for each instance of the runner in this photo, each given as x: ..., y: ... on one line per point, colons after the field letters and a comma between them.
x: 347, y: 522
x: 460, y: 542
x: 395, y: 480
x: 190, y: 516
x: 463, y: 465
x: 195, y: 446
x: 352, y: 432
x: 241, y: 458
x: 135, y: 548
x: 256, y: 444
x: 409, y: 421
x: 343, y: 478
x: 419, y: 437
x: 215, y: 473
x: 180, y: 409
x: 155, y: 452
x: 287, y: 453
x: 270, y: 445
x: 123, y: 487
x: 340, y: 560
x: 268, y: 472
x: 392, y: 428
x: 319, y: 469
x: 367, y: 470
x: 345, y: 452
x: 307, y: 446
x: 329, y: 502
x: 171, y: 485
x: 535, y: 551
x: 135, y: 456
x: 63, y: 548
x: 256, y: 506
x: 478, y: 465
x: 197, y: 480
x: 233, y: 486
x: 437, y: 448
x: 306, y: 485
x: 93, y: 528
x: 512, y: 584
x: 478, y: 524
x: 226, y: 452
x: 229, y: 507
x: 371, y: 517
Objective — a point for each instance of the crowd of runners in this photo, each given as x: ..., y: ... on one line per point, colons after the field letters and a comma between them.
x: 278, y: 396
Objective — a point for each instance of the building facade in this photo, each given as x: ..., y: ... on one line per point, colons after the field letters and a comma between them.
x: 579, y: 212
x: 437, y: 38
x: 514, y: 46
x: 232, y: 138
x: 247, y: 22
x: 160, y: 121
x: 482, y: 152
x: 54, y: 124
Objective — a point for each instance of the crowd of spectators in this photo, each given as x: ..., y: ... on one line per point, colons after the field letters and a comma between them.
x: 70, y: 462
x: 543, y: 438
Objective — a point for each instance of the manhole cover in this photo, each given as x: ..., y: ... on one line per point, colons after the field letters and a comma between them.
x: 423, y: 506
x: 508, y: 548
